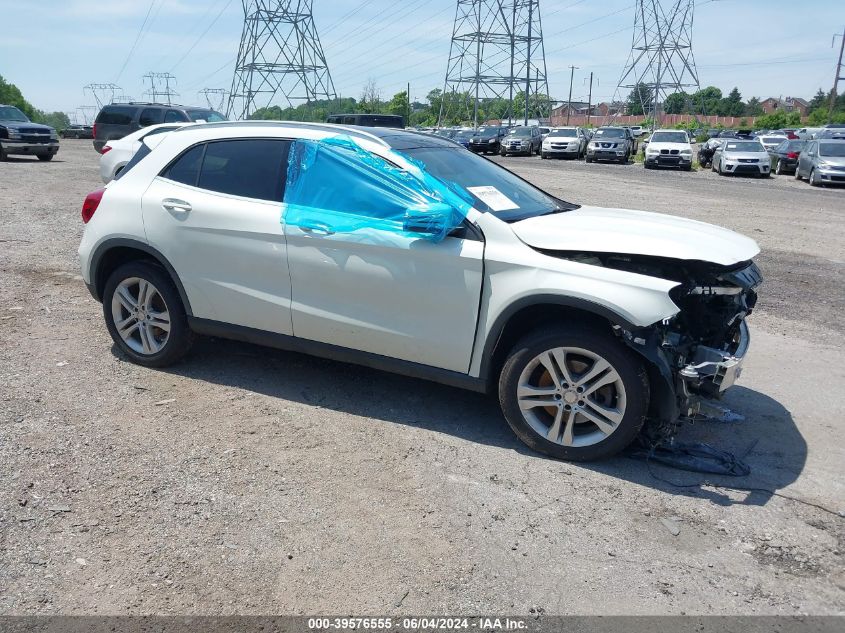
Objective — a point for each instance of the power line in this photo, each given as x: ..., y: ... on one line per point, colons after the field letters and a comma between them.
x: 137, y: 39
x: 202, y: 35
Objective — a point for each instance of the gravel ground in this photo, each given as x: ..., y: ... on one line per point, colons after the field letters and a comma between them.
x: 248, y: 480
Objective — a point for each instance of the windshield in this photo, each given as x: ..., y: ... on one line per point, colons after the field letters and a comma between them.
x: 669, y: 137
x: 501, y: 187
x: 9, y: 113
x: 464, y: 133
x: 521, y: 131
x: 611, y: 132
x: 770, y: 140
x: 569, y: 133
x: 744, y: 146
x: 488, y: 130
x: 209, y: 116
x: 832, y: 149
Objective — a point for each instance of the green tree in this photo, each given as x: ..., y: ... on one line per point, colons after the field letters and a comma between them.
x: 821, y: 99
x: 706, y: 101
x: 56, y: 120
x: 676, y: 103
x: 753, y: 107
x: 778, y: 119
x: 11, y: 95
x: 398, y: 104
x: 639, y: 100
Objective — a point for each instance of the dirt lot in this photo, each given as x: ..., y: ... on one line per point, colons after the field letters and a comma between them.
x: 247, y: 480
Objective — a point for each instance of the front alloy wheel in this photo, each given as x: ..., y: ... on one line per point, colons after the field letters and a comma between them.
x: 145, y: 316
x: 575, y: 394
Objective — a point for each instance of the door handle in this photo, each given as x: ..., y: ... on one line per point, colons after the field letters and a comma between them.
x: 317, y: 228
x: 172, y: 204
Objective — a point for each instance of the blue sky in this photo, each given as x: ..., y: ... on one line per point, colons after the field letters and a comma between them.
x: 765, y: 47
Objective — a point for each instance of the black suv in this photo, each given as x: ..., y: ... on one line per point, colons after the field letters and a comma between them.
x: 119, y: 119
x: 19, y: 135
x: 77, y: 131
x: 487, y: 138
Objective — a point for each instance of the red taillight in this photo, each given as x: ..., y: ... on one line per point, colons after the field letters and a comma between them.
x: 792, y: 155
x: 106, y: 148
x: 92, y: 201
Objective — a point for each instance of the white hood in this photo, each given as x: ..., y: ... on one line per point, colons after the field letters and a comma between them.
x: 594, y: 229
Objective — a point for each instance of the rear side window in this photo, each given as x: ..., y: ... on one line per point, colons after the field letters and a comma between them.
x: 252, y: 168
x: 186, y: 168
x: 116, y: 115
x: 151, y: 116
x: 174, y: 116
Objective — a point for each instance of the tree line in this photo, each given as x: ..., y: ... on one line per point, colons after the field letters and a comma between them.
x: 710, y: 101
x: 452, y: 108
x: 11, y: 95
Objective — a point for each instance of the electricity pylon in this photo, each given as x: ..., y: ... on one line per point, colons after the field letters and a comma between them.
x: 661, y: 56
x: 160, y: 87
x: 215, y: 98
x: 103, y: 93
x: 280, y: 53
x: 496, y: 52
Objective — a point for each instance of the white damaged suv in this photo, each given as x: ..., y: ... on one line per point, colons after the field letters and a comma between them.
x: 405, y: 252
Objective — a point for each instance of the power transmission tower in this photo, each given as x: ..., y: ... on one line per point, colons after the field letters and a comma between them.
x: 496, y: 52
x: 661, y: 58
x: 160, y: 87
x: 103, y: 93
x: 88, y: 113
x: 123, y: 99
x: 280, y: 52
x: 215, y: 98
x: 838, y: 77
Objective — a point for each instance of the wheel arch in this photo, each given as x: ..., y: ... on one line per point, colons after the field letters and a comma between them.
x: 118, y: 251
x: 526, y: 314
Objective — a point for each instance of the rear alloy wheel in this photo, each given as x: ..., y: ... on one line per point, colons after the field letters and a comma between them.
x: 145, y: 316
x: 574, y: 393
x: 779, y: 168
x: 797, y: 174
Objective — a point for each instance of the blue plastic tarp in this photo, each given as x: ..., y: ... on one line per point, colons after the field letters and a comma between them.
x: 335, y: 185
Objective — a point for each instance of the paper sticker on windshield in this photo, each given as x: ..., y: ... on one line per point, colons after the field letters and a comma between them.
x: 493, y: 198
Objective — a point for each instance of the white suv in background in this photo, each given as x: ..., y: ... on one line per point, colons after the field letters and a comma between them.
x: 669, y: 148
x: 118, y: 152
x: 404, y: 252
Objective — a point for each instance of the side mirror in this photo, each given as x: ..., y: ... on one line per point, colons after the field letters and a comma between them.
x: 433, y: 221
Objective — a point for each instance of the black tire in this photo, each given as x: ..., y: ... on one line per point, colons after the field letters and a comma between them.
x: 3, y: 155
x: 814, y: 182
x: 543, y: 155
x: 180, y: 339
x: 588, y: 159
x: 45, y: 157
x: 779, y: 168
x: 687, y: 167
x: 797, y: 175
x: 624, y: 361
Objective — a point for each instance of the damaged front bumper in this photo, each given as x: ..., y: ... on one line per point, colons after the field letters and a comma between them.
x: 711, y: 371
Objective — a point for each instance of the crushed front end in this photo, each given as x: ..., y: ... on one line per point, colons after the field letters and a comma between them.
x: 698, y: 353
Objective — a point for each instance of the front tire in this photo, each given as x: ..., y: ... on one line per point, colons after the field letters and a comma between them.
x: 574, y: 393
x: 45, y: 157
x: 145, y: 316
x: 813, y: 179
x: 779, y: 168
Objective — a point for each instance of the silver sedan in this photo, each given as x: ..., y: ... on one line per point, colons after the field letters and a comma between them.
x: 735, y: 156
